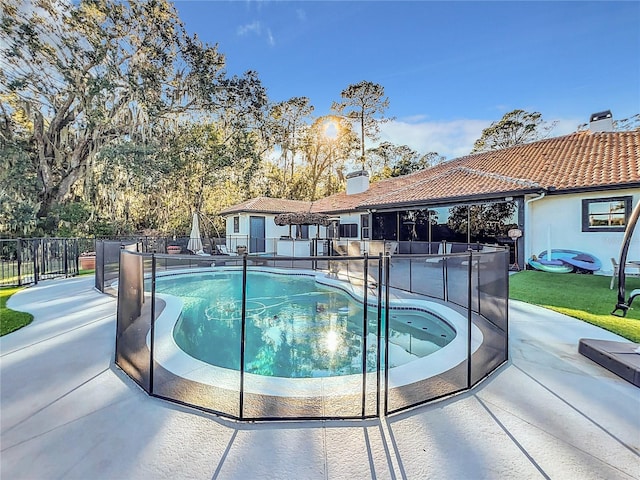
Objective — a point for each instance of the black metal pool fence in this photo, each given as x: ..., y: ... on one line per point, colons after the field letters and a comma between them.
x: 467, y: 290
x: 25, y: 261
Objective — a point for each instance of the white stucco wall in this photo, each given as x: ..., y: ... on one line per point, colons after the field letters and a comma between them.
x: 560, y: 218
x: 272, y: 231
x: 353, y: 217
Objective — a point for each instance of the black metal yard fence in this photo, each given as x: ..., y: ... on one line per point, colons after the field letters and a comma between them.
x: 24, y: 261
x: 167, y: 303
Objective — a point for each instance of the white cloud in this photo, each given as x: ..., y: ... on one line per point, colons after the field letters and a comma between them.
x: 254, y: 27
x: 452, y: 139
x: 564, y: 126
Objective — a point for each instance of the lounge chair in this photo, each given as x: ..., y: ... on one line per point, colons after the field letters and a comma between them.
x: 223, y: 250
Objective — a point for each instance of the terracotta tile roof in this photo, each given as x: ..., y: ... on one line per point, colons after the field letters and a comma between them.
x: 459, y: 182
x: 268, y: 205
x: 579, y: 161
x: 342, y: 202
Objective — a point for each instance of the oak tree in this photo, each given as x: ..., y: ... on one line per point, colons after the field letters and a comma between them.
x: 85, y: 75
x: 514, y: 128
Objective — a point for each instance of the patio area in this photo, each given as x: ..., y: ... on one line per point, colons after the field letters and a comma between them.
x: 66, y: 411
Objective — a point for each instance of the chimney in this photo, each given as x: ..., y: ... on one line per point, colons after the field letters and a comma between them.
x: 357, y: 182
x: 601, y: 122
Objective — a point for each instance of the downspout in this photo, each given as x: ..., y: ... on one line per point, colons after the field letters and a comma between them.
x: 527, y: 222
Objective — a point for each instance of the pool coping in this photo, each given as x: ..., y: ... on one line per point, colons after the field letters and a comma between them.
x: 175, y: 360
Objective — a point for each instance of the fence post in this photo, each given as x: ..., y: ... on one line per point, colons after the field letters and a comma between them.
x: 410, y: 273
x: 243, y: 331
x: 65, y: 257
x: 469, y: 316
x: 387, y: 262
x: 365, y: 328
x: 379, y: 335
x: 445, y: 279
x: 75, y: 253
x: 19, y: 258
x: 478, y: 282
x: 153, y: 316
x: 43, y: 248
x: 35, y: 261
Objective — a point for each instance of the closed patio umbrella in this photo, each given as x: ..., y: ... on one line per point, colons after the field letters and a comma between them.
x: 195, y: 243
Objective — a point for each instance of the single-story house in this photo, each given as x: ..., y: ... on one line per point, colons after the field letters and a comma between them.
x: 571, y: 192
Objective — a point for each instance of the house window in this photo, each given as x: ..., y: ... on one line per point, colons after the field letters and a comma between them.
x: 236, y: 224
x: 349, y: 230
x: 364, y: 221
x: 605, y: 214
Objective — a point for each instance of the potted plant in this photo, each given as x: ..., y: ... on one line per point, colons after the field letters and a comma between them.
x: 241, y: 249
x: 87, y: 260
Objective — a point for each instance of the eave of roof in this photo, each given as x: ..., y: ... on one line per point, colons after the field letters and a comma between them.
x: 268, y: 205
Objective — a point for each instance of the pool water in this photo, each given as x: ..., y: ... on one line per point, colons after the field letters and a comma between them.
x: 295, y: 327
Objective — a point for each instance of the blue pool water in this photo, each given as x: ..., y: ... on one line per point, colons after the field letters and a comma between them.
x: 295, y: 327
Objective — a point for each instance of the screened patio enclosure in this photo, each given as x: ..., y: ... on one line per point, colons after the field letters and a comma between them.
x: 485, y: 223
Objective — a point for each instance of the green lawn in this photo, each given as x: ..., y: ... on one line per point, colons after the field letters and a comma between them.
x: 586, y: 297
x: 10, y: 320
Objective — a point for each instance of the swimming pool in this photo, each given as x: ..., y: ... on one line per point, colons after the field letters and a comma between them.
x: 296, y: 326
x: 150, y: 308
x: 406, y: 317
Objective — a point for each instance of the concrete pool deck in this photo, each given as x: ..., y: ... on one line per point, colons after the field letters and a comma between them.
x: 66, y: 411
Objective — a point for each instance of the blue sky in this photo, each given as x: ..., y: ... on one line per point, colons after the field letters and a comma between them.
x: 448, y: 68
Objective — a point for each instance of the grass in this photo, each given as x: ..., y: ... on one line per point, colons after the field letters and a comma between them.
x: 585, y: 297
x: 10, y: 320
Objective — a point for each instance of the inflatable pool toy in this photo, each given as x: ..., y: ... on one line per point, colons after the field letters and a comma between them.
x: 552, y: 266
x: 565, y: 261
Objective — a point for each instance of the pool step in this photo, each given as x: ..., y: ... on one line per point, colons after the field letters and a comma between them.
x: 621, y: 358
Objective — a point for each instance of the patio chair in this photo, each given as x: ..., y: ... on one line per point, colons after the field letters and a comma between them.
x: 616, y: 270
x: 390, y: 248
x: 444, y: 248
x: 341, y: 248
x: 223, y: 250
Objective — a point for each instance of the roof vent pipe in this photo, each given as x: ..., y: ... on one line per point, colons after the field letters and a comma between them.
x: 601, y: 122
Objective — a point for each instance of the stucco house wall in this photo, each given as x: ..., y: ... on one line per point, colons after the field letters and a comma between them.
x: 351, y: 218
x: 272, y: 231
x: 557, y: 220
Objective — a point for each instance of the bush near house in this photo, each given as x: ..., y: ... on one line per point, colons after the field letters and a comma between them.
x: 585, y: 297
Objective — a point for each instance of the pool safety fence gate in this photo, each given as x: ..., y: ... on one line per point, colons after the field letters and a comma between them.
x: 468, y: 293
x: 25, y: 261
x: 108, y: 261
